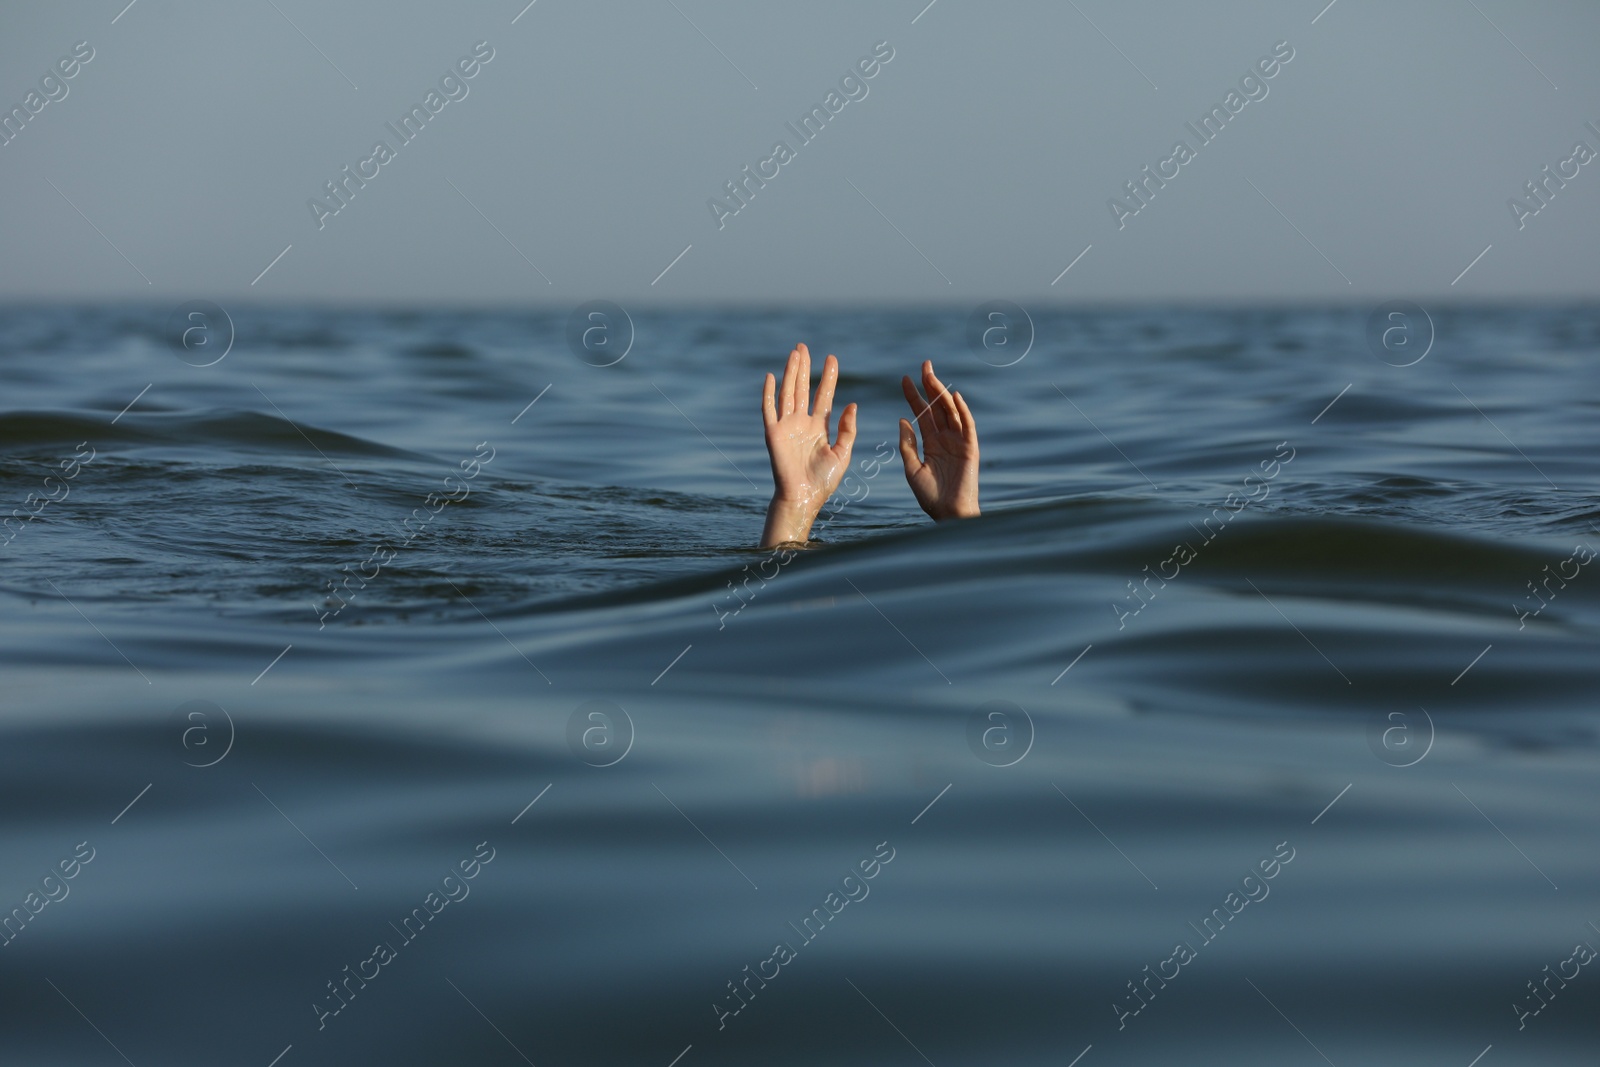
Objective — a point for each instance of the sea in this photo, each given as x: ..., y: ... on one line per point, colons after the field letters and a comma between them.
x: 403, y: 686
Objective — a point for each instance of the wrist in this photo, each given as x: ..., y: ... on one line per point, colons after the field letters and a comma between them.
x: 788, y: 520
x: 961, y: 510
x: 793, y: 503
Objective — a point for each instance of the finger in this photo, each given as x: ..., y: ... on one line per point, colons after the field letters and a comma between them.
x: 830, y: 379
x: 791, y: 371
x: 949, y: 417
x: 847, y: 433
x: 769, y: 406
x: 969, y: 426
x: 908, y: 449
x: 919, y: 406
x: 803, y: 390
x: 934, y: 419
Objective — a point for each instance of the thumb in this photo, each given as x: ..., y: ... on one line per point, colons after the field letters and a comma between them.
x: 908, y: 448
x: 846, y: 436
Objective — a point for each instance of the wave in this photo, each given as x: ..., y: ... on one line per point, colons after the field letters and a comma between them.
x: 242, y: 430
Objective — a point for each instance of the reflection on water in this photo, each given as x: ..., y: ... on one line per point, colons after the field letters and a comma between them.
x: 402, y: 689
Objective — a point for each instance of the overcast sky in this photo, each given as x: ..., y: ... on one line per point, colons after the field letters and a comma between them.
x: 978, y: 164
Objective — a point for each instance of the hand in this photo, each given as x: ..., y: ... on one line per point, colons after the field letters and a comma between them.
x: 945, y: 480
x: 805, y: 468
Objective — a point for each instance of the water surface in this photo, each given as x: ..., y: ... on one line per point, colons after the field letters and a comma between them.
x: 1360, y: 632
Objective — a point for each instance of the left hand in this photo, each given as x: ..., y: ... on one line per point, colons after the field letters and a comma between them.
x: 945, y: 479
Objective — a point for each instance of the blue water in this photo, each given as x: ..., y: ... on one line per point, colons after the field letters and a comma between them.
x: 277, y: 719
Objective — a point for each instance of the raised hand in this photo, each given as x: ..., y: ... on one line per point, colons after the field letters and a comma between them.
x: 805, y: 468
x: 945, y: 479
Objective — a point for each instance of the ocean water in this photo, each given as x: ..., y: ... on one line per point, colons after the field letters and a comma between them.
x: 1253, y: 723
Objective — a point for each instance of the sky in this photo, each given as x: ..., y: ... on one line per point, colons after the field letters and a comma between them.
x: 979, y: 161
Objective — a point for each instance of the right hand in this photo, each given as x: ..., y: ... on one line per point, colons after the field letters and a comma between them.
x: 806, y: 469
